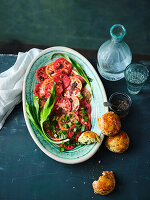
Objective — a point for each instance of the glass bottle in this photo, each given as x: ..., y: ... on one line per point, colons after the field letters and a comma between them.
x: 114, y: 55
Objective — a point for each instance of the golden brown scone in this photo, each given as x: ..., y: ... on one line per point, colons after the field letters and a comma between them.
x: 118, y: 143
x: 109, y: 123
x: 105, y: 183
x: 89, y: 137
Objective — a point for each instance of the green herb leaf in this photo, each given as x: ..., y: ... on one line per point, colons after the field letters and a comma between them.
x: 82, y: 127
x: 32, y: 118
x: 36, y: 106
x: 86, y: 118
x: 75, y: 129
x: 46, y: 110
x: 70, y: 124
x: 79, y: 95
x: 83, y: 111
x: 81, y: 72
x: 76, y: 121
x: 62, y: 135
x: 66, y: 126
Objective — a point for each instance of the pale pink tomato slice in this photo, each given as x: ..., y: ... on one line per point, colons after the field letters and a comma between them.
x: 75, y: 103
x: 69, y: 93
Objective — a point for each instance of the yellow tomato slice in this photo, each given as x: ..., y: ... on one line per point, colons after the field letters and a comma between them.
x: 62, y: 120
x: 75, y: 83
x: 50, y: 70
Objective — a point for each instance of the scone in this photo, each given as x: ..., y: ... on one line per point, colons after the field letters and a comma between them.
x: 118, y: 143
x: 109, y: 123
x: 89, y: 137
x: 105, y: 184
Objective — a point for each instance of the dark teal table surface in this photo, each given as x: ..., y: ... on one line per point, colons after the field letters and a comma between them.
x: 27, y: 173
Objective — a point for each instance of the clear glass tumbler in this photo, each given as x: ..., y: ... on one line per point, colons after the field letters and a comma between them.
x: 135, y: 75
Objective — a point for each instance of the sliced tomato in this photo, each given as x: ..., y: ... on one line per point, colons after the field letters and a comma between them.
x: 58, y: 88
x: 74, y: 73
x: 86, y: 106
x: 39, y: 90
x: 61, y: 65
x: 66, y: 81
x: 50, y: 70
x: 42, y: 101
x: 57, y: 78
x: 62, y: 120
x: 75, y: 103
x: 77, y: 136
x: 41, y: 74
x: 63, y: 105
x: 47, y: 82
x: 71, y: 131
x: 75, y: 83
x: 68, y: 92
x: 36, y: 89
x: 86, y: 95
x: 67, y: 147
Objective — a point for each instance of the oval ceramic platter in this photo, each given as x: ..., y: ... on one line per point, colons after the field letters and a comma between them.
x: 80, y: 153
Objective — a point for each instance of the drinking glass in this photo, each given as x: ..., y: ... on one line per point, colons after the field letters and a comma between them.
x: 135, y: 75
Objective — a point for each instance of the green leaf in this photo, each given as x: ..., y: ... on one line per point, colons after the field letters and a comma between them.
x: 46, y: 110
x: 79, y: 95
x: 83, y: 128
x: 86, y: 118
x: 32, y: 118
x: 36, y: 106
x: 41, y: 130
x: 62, y: 55
x: 81, y: 72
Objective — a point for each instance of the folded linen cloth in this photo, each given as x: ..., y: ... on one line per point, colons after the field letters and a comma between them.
x: 11, y: 83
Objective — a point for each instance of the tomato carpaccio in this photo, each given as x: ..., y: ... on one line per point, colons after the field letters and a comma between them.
x: 71, y: 113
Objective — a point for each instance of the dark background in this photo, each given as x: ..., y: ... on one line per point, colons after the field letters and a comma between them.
x: 74, y: 23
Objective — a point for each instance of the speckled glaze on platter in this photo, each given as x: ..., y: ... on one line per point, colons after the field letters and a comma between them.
x: 80, y: 153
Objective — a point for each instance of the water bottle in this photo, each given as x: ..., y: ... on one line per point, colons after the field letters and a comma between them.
x: 114, y: 55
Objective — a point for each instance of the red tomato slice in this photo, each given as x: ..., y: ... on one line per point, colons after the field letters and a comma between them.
x: 66, y: 81
x: 75, y: 103
x: 86, y: 106
x: 41, y: 74
x: 58, y: 88
x: 57, y: 78
x: 61, y: 65
x: 63, y: 105
x: 39, y: 90
x: 86, y: 95
x: 36, y: 89
x: 71, y: 132
x: 78, y: 135
x: 67, y: 147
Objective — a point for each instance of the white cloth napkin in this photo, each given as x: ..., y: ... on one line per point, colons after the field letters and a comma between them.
x: 11, y: 83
